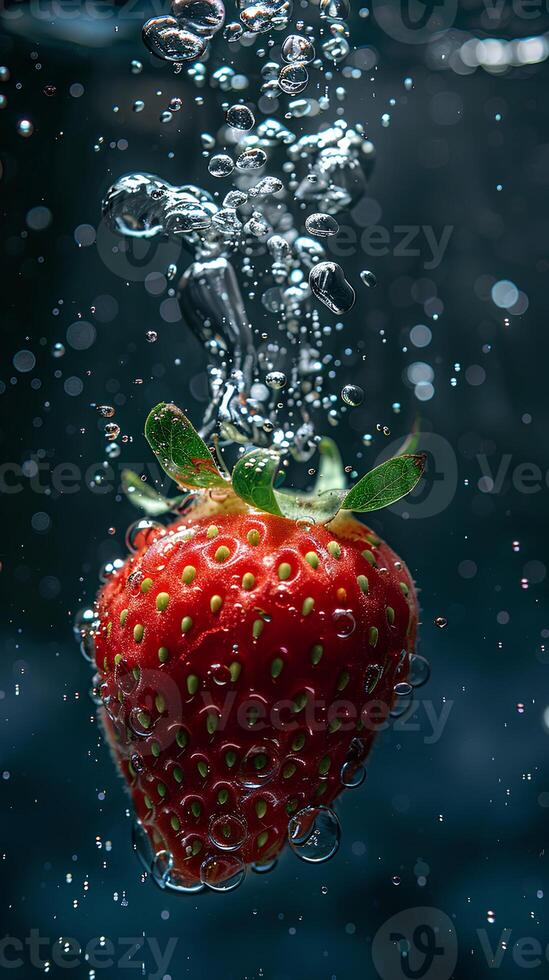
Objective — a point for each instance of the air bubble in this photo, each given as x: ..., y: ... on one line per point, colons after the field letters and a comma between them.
x: 314, y: 834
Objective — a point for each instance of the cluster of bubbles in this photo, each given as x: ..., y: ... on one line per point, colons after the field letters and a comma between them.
x: 269, y: 222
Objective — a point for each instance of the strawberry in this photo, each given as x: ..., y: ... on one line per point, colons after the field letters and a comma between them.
x: 245, y: 661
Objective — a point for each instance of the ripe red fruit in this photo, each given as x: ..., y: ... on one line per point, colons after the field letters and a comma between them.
x: 245, y: 662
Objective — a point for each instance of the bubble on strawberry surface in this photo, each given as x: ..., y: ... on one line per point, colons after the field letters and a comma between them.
x: 141, y: 533
x: 314, y: 834
x: 352, y: 775
x: 222, y: 872
x: 259, y: 765
x: 228, y: 831
x: 402, y: 689
x: 344, y: 622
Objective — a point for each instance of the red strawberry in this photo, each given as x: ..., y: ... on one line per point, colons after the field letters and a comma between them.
x: 244, y: 660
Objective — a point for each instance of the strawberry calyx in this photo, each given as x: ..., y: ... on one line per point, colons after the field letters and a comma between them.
x: 255, y: 478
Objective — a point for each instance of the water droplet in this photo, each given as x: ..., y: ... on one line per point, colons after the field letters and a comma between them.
x: 314, y: 834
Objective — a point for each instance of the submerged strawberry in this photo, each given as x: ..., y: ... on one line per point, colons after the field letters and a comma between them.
x: 245, y: 663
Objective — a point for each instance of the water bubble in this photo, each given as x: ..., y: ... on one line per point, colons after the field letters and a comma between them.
x: 222, y: 872
x: 136, y: 67
x: 228, y: 831
x: 329, y: 285
x: 202, y: 17
x: 141, y: 533
x: 151, y: 336
x: 298, y: 48
x: 335, y: 9
x: 352, y: 395
x: 420, y: 670
x: 344, y: 622
x: 106, y: 411
x: 322, y: 225
x: 140, y: 721
x: 252, y: 159
x: 263, y: 868
x: 58, y: 350
x: 112, y: 431
x: 402, y: 689
x: 293, y: 79
x: 261, y: 17
x: 314, y: 834
x: 221, y: 165
x: 25, y: 128
x: 265, y: 186
x: 276, y: 380
x: 138, y: 105
x: 441, y: 622
x: 368, y: 278
x: 240, y: 117
x: 166, y: 39
x: 352, y: 775
x: 259, y: 765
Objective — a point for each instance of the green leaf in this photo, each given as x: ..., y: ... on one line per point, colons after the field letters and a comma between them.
x: 385, y: 484
x: 253, y: 479
x: 146, y: 497
x: 180, y: 450
x: 331, y: 475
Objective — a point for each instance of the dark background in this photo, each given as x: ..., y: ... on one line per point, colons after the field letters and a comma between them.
x: 459, y: 825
